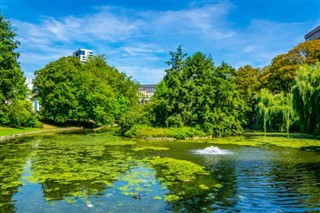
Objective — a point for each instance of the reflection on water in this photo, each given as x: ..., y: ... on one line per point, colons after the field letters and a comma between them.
x: 276, y: 180
x: 102, y: 173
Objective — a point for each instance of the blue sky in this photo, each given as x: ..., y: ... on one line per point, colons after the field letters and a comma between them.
x: 137, y: 35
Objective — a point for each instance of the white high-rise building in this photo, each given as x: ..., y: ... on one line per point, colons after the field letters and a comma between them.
x: 83, y: 54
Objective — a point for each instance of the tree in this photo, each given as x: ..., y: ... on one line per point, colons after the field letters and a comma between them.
x: 195, y: 93
x: 123, y: 87
x: 98, y: 99
x: 92, y: 92
x: 306, y: 98
x: 57, y: 88
x: 13, y: 89
x: 248, y: 84
x: 274, y: 112
x: 20, y: 113
x: 279, y: 76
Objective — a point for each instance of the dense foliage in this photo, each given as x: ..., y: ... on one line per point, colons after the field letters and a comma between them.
x: 195, y: 93
x: 93, y: 92
x: 279, y: 76
x: 294, y: 72
x: 274, y: 111
x: 306, y: 96
x: 221, y: 101
x: 15, y: 109
x: 145, y: 131
x: 247, y: 80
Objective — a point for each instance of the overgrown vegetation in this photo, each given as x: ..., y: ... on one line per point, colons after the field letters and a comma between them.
x: 274, y: 112
x: 12, y: 131
x: 93, y: 92
x: 195, y: 97
x: 15, y: 109
x: 221, y: 101
x: 144, y: 131
x: 306, y: 98
x: 183, y: 178
x: 195, y: 93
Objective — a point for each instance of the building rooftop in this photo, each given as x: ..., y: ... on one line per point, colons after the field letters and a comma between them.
x: 148, y: 87
x: 83, y: 49
x: 313, y: 34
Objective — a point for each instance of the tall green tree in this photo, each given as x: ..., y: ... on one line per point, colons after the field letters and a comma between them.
x: 123, y: 87
x: 57, y: 88
x: 13, y: 90
x: 92, y: 92
x: 306, y: 98
x: 195, y: 93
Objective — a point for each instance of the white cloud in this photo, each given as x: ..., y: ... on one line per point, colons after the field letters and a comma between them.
x: 249, y: 49
x: 142, y: 49
x: 138, y: 41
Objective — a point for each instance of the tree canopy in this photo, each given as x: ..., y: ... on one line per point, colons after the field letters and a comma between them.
x: 218, y: 100
x: 306, y: 98
x: 15, y: 110
x: 279, y: 76
x: 248, y: 84
x: 92, y: 92
x: 274, y: 111
x: 195, y: 93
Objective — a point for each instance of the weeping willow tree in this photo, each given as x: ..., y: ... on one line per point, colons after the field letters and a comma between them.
x: 306, y: 98
x: 274, y: 111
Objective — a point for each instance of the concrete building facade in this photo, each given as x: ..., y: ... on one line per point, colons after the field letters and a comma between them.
x: 146, y: 91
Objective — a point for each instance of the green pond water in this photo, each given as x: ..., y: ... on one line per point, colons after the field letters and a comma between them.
x: 104, y: 173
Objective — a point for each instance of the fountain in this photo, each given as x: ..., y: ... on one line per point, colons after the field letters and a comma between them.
x: 212, y: 150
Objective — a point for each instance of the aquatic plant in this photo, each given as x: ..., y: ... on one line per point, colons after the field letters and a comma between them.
x: 156, y: 148
x: 183, y: 178
x: 84, y: 166
x: 12, y: 157
x: 260, y: 140
x: 137, y: 181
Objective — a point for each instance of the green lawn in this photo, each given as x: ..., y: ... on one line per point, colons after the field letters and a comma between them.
x: 12, y: 131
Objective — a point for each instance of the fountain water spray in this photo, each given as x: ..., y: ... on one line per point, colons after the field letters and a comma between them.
x: 212, y: 150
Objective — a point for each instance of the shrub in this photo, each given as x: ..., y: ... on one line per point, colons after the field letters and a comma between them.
x: 38, y: 124
x: 134, y: 117
x: 141, y: 131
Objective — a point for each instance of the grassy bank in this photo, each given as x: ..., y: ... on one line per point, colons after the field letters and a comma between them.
x: 187, y: 134
x: 244, y: 140
x: 7, y: 133
x: 267, y: 140
x: 12, y: 131
x: 142, y: 131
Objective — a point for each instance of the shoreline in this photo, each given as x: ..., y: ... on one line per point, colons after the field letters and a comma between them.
x: 254, y: 140
x: 293, y: 140
x: 18, y: 135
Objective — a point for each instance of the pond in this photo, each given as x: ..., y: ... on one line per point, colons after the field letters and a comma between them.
x: 104, y: 173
